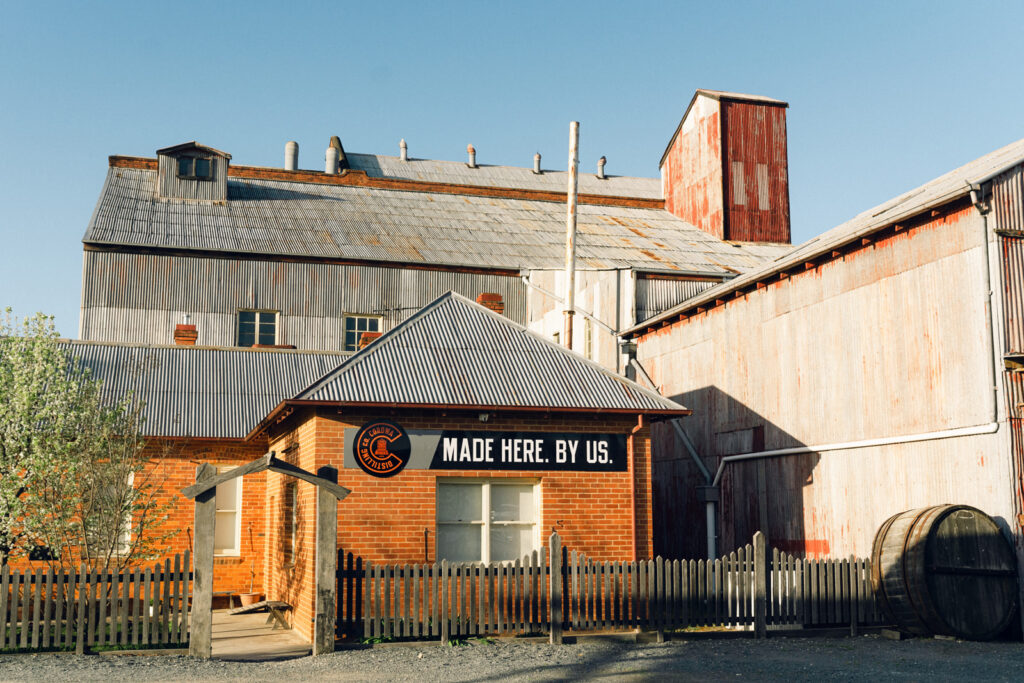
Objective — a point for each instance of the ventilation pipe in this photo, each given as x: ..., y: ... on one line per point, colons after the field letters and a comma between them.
x: 403, y: 150
x: 342, y: 159
x: 291, y: 156
x: 536, y: 163
x: 600, y: 167
x: 331, y: 165
x: 471, y: 150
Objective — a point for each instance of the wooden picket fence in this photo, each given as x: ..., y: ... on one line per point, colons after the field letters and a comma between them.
x: 79, y: 610
x: 555, y: 590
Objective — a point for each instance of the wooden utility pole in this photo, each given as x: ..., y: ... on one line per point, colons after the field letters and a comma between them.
x: 570, y: 232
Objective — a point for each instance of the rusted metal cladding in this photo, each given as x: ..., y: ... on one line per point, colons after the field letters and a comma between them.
x: 1012, y: 255
x: 691, y: 172
x: 886, y: 341
x: 756, y: 172
x: 654, y: 295
x: 140, y: 297
x: 1008, y: 199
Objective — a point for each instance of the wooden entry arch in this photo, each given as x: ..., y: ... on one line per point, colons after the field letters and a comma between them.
x: 204, y: 492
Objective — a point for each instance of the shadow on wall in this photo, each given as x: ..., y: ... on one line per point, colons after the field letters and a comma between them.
x: 763, y: 494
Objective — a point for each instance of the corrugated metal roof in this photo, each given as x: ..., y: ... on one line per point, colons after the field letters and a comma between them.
x: 459, y: 173
x: 458, y: 353
x: 932, y: 194
x: 201, y: 392
x: 331, y: 221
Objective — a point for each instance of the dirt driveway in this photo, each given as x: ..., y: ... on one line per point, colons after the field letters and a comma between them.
x: 867, y: 658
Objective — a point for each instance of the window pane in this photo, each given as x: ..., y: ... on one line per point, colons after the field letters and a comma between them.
x: 267, y: 326
x: 350, y: 324
x: 224, y: 532
x: 350, y: 341
x: 512, y: 503
x: 459, y: 502
x: 373, y: 324
x: 185, y: 166
x: 203, y: 168
x: 459, y: 542
x: 246, y: 316
x: 511, y: 541
x: 227, y: 494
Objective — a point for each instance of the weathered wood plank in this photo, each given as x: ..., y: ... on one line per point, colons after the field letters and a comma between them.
x: 201, y: 636
x: 555, y: 627
x: 80, y: 627
x: 45, y: 626
x: 6, y: 622
x: 166, y: 618
x: 37, y: 608
x: 444, y: 617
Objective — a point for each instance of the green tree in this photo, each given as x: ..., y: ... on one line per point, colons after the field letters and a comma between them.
x: 73, y: 465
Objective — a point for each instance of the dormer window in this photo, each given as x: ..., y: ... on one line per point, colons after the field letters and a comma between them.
x: 195, y: 168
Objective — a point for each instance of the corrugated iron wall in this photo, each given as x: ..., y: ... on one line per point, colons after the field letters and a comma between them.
x: 654, y: 296
x: 691, y: 174
x: 887, y: 341
x: 173, y: 186
x: 139, y: 297
x: 1008, y: 210
x: 756, y: 172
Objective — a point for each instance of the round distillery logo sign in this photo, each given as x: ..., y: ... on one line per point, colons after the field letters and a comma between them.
x: 382, y: 448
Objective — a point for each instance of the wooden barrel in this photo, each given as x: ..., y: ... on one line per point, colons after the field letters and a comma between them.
x: 945, y: 570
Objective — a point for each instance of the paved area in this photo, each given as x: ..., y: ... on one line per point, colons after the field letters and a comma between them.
x: 247, y: 637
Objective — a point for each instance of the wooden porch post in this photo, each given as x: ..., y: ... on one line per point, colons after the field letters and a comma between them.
x: 326, y: 564
x: 201, y: 639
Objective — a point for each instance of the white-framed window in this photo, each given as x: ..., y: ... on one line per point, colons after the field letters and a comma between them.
x: 487, y: 520
x: 355, y: 325
x: 227, y: 534
x: 195, y: 168
x: 257, y: 327
x: 112, y: 501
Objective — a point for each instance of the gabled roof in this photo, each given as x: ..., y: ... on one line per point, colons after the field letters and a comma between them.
x: 717, y: 95
x: 456, y: 353
x: 954, y: 185
x: 312, y: 220
x: 200, y: 392
x: 189, y: 146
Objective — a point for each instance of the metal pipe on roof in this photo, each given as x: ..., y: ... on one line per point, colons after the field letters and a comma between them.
x: 600, y: 167
x: 570, y: 231
x: 471, y: 151
x: 291, y: 156
x: 536, y: 163
x: 331, y: 161
x: 403, y: 150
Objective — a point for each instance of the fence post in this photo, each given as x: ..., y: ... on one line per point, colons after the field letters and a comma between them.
x: 324, y: 620
x: 760, y: 586
x: 555, y: 610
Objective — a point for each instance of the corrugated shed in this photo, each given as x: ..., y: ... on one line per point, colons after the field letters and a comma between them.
x: 201, y: 392
x: 459, y: 173
x: 139, y: 297
x: 654, y: 296
x: 455, y: 352
x: 933, y: 194
x: 1012, y: 252
x: 329, y: 221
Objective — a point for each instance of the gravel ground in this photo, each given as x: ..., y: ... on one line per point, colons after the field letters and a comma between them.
x: 867, y: 658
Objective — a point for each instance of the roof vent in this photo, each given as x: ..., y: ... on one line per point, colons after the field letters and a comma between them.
x: 331, y: 161
x: 291, y: 156
x: 600, y: 167
x: 342, y: 159
x: 403, y: 150
x: 471, y: 150
x: 536, y: 163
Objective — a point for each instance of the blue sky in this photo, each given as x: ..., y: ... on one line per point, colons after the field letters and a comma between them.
x: 883, y: 96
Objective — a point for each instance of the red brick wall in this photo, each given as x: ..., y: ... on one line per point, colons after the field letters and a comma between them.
x: 383, y: 520
x: 172, y: 467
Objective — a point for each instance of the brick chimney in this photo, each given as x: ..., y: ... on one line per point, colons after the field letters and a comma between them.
x: 367, y: 338
x: 726, y: 169
x: 185, y: 334
x: 492, y: 301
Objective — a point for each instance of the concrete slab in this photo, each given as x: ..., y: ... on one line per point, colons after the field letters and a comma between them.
x: 247, y: 637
